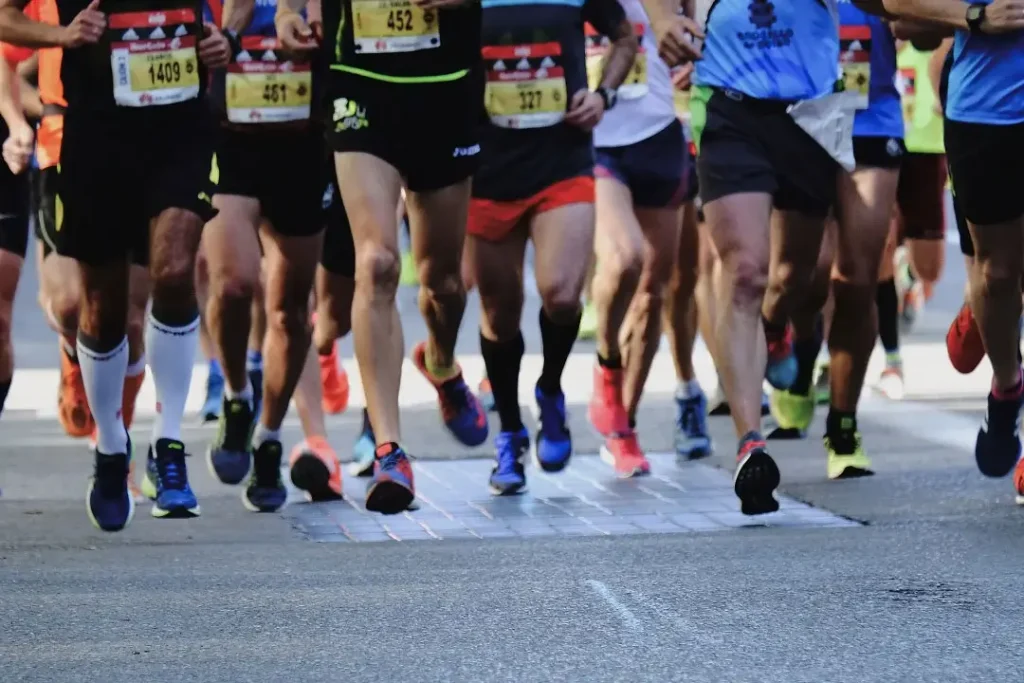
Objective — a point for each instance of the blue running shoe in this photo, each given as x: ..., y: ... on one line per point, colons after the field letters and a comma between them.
x: 108, y: 501
x: 256, y: 380
x: 508, y: 478
x: 265, y: 491
x: 214, y: 394
x: 230, y: 453
x: 486, y: 395
x: 150, y: 476
x: 363, y: 450
x: 998, y: 447
x: 461, y: 411
x: 391, y: 491
x: 692, y: 439
x: 782, y: 367
x: 174, y: 497
x: 554, y: 442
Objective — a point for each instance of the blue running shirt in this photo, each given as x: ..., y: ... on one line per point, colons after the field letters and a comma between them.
x: 986, y: 84
x: 868, y: 56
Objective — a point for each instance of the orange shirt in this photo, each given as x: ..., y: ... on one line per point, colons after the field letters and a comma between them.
x: 14, y: 54
x: 51, y: 90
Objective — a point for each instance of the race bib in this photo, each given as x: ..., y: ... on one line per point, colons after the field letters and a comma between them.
x: 525, y: 85
x: 906, y: 83
x: 855, y: 60
x: 153, y: 57
x: 261, y: 89
x: 382, y: 26
x: 635, y: 85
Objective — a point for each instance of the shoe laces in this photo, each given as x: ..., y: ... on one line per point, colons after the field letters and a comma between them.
x: 173, y: 472
x: 506, y: 455
x: 110, y: 474
x: 214, y: 383
x: 552, y: 416
x: 237, y: 425
x: 690, y: 419
x: 843, y: 443
x: 267, y: 465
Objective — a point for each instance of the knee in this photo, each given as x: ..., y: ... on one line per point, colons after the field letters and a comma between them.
x: 625, y: 264
x: 998, y: 277
x: 929, y: 271
x: 64, y: 305
x: 749, y: 278
x: 561, y: 300
x: 233, y: 285
x: 290, y: 321
x: 441, y: 279
x: 501, y: 312
x: 379, y: 267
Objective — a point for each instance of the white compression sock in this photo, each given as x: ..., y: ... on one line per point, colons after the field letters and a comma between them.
x: 263, y: 434
x: 172, y: 353
x: 137, y: 368
x: 103, y: 377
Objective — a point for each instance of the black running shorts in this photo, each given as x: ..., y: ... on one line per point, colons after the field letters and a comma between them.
x: 878, y: 151
x: 119, y: 173
x: 985, y: 165
x: 14, y: 207
x: 339, y: 254
x: 427, y: 131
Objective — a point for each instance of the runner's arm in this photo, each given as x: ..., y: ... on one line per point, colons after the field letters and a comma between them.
x: 876, y: 7
x: 10, y: 97
x: 237, y: 14
x: 285, y: 7
x: 18, y: 29
x: 923, y: 35
x: 951, y: 13
x: 935, y: 64
x: 608, y: 17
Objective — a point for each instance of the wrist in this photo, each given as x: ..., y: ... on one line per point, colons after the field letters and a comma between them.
x: 608, y: 96
x: 974, y: 18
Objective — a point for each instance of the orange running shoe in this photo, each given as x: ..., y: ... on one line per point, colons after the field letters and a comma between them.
x: 963, y: 342
x: 606, y: 411
x: 132, y: 385
x: 625, y: 455
x: 1018, y: 481
x: 72, y: 404
x: 334, y: 383
x: 315, y: 469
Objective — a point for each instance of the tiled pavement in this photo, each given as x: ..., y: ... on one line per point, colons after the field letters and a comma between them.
x: 585, y: 500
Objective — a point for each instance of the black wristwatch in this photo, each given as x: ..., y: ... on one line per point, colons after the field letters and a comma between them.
x: 975, y: 17
x: 609, y: 96
x: 233, y: 40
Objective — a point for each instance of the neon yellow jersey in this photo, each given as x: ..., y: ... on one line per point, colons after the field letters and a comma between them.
x: 923, y: 123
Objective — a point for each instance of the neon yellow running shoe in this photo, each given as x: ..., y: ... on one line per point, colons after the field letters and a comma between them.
x: 409, y: 275
x: 822, y: 388
x: 588, y: 323
x: 847, y: 465
x: 792, y: 411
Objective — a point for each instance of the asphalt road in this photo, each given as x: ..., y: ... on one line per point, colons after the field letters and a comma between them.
x: 907, y: 576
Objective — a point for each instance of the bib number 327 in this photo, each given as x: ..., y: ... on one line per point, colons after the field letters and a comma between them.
x: 153, y: 58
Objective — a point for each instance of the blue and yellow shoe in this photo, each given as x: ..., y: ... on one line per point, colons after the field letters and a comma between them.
x: 150, y: 476
x: 692, y: 440
x: 461, y: 411
x: 363, y: 450
x: 508, y: 478
x: 174, y: 496
x: 108, y: 501
x: 210, y: 411
x: 230, y: 453
x: 554, y: 442
x: 391, y: 491
x: 265, y: 490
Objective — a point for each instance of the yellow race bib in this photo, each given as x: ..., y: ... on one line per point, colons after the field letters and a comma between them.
x: 383, y: 26
x: 855, y: 59
x: 635, y: 85
x: 153, y: 57
x: 525, y: 85
x: 260, y: 89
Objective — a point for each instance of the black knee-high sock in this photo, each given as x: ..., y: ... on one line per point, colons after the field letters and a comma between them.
x: 502, y: 360
x: 888, y: 315
x: 806, y: 352
x: 558, y: 340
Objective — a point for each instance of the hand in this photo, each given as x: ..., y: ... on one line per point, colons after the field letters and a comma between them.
x: 18, y: 147
x: 214, y: 48
x: 682, y: 76
x: 676, y: 38
x: 294, y: 33
x: 439, y: 4
x: 86, y: 28
x: 585, y: 110
x: 1003, y: 16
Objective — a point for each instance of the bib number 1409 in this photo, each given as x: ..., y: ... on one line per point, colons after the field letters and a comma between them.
x: 167, y: 73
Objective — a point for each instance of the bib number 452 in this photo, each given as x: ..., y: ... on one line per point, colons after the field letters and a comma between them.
x: 400, y: 20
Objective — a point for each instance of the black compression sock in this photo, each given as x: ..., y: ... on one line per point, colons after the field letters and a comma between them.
x: 806, y: 352
x: 502, y: 360
x: 558, y: 340
x: 888, y: 315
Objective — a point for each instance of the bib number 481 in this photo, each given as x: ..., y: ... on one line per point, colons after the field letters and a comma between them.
x: 275, y: 93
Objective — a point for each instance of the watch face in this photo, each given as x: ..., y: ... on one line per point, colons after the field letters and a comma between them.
x: 974, y: 12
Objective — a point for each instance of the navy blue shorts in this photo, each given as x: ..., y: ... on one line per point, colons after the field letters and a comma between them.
x: 658, y: 171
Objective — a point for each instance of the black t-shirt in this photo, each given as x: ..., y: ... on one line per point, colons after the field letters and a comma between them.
x: 397, y: 38
x: 535, y: 61
x: 146, y: 65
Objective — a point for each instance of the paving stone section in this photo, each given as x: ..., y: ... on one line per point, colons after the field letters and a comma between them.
x: 584, y: 500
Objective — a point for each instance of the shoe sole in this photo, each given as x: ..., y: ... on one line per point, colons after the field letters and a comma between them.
x: 95, y: 522
x: 361, y: 470
x: 757, y: 476
x: 506, y: 493
x: 176, y: 513
x: 213, y: 470
x: 310, y: 474
x: 388, y: 498
x: 851, y: 472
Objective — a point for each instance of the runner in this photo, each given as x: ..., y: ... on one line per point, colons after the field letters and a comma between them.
x: 752, y: 110
x: 642, y: 182
x: 429, y: 65
x: 110, y: 185
x: 536, y: 182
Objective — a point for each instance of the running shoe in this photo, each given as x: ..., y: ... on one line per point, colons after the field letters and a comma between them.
x: 230, y: 453
x: 890, y: 382
x: 315, y: 469
x: 782, y: 368
x: 334, y: 383
x: 486, y: 395
x: 409, y: 276
x: 508, y: 478
x: 792, y: 411
x: 822, y: 389
x: 460, y: 409
x: 150, y: 475
x: 606, y: 411
x: 846, y: 456
x: 757, y: 476
x: 588, y: 322
x: 129, y: 395
x: 391, y: 490
x: 108, y: 501
x: 210, y: 411
x: 1018, y: 482
x: 72, y: 404
x: 137, y: 495
x: 692, y: 440
x: 719, y: 404
x: 174, y: 496
x: 363, y: 450
x: 623, y: 452
x: 998, y: 448
x: 265, y: 491
x: 963, y: 341
x: 554, y: 442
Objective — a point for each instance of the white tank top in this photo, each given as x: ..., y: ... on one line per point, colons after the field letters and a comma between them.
x: 645, y: 105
